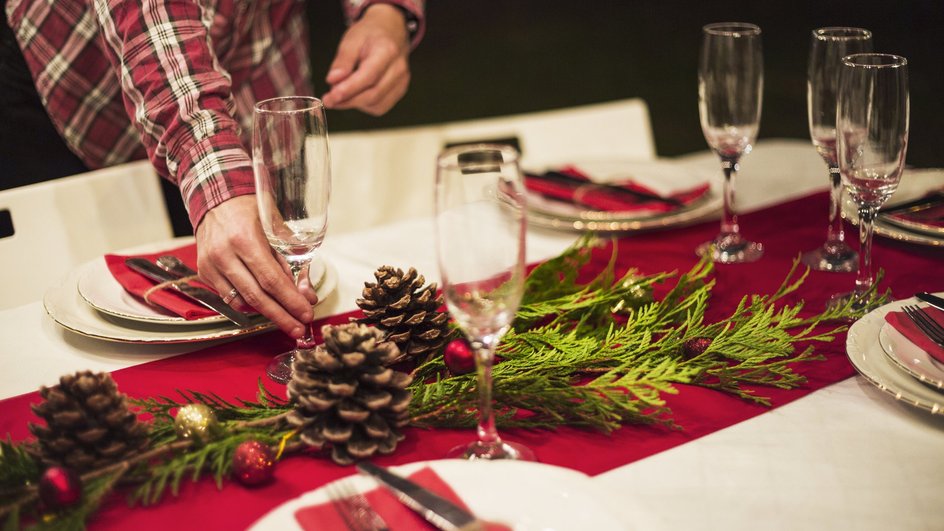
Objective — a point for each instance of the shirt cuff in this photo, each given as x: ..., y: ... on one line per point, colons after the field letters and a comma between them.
x: 413, y: 11
x: 215, y: 170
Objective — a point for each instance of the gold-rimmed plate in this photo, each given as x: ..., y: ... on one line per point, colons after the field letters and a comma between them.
x: 864, y: 348
x: 915, y: 183
x: 662, y: 176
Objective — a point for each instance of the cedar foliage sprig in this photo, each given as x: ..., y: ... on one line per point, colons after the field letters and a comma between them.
x: 604, y: 353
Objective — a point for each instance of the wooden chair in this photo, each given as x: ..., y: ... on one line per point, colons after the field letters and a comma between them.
x: 386, y: 175
x: 48, y: 228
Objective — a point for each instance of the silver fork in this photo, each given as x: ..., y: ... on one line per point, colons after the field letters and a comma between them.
x: 925, y: 323
x: 354, y: 508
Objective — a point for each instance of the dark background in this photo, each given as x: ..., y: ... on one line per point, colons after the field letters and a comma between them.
x: 492, y: 57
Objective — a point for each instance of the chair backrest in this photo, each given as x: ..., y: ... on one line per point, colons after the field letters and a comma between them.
x: 60, y: 224
x: 385, y: 175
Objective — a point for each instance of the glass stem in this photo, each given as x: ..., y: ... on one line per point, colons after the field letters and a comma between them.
x: 835, y: 231
x: 300, y: 275
x: 729, y: 221
x: 484, y: 356
x: 864, y: 277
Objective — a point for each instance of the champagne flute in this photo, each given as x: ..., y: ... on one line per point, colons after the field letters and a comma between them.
x: 828, y: 47
x: 292, y: 170
x: 730, y: 86
x: 480, y: 235
x: 872, y: 137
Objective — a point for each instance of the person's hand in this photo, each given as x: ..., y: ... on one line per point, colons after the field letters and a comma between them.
x: 371, y: 71
x: 232, y: 252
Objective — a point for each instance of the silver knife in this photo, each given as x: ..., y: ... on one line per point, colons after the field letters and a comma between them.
x: 933, y: 300
x: 203, y: 296
x: 437, y: 510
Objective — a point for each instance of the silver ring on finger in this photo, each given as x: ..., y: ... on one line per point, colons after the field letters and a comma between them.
x: 231, y: 296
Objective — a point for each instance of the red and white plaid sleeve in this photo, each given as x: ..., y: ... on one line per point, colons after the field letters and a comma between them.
x: 179, y: 97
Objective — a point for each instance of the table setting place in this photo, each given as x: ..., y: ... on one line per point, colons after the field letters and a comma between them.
x: 583, y: 317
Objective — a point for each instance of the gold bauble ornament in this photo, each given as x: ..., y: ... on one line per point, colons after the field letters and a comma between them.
x: 197, y: 422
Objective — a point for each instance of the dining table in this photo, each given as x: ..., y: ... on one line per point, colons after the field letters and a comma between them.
x: 837, y: 452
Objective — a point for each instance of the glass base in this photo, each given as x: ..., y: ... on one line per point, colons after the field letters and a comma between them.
x: 863, y: 305
x: 492, y: 451
x: 731, y: 248
x: 280, y: 367
x: 833, y: 256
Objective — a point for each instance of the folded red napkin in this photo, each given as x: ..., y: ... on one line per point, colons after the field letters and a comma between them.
x: 599, y: 198
x: 903, y: 324
x: 325, y: 516
x: 932, y: 216
x: 168, y: 299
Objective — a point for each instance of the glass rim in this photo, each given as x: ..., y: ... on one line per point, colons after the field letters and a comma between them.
x: 732, y: 29
x: 841, y: 33
x: 449, y: 157
x: 313, y: 103
x: 886, y: 60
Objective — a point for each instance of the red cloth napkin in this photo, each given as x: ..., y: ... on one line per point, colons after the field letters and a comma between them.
x: 903, y: 324
x: 606, y: 200
x: 168, y: 299
x: 325, y: 516
x: 932, y: 217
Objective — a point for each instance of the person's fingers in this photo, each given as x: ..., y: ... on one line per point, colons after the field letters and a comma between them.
x: 382, y: 97
x: 371, y: 68
x: 306, y: 289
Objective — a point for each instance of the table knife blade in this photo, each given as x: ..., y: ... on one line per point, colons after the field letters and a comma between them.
x: 437, y: 510
x: 933, y: 300
x: 200, y: 295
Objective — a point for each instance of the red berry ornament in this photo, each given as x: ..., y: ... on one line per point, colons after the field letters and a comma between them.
x: 459, y: 357
x: 59, y: 488
x: 253, y: 463
x: 695, y: 346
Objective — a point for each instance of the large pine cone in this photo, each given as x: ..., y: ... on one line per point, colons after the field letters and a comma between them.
x: 346, y: 396
x: 88, y: 423
x: 407, y: 312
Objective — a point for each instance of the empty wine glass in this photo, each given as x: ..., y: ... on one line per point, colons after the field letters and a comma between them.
x: 828, y: 47
x: 480, y: 235
x: 730, y: 86
x: 292, y: 170
x: 872, y: 138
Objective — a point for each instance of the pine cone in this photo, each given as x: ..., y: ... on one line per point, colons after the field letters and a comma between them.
x: 405, y: 311
x: 346, y: 396
x: 88, y: 423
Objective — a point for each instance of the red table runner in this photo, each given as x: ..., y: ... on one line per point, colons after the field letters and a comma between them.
x: 233, y: 369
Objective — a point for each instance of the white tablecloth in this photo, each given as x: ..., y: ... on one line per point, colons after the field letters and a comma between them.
x: 845, y: 457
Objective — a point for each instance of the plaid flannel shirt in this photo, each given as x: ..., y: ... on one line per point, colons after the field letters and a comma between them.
x: 173, y: 80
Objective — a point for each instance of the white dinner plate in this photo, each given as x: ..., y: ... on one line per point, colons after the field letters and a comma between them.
x: 100, y: 290
x: 910, y: 357
x: 66, y: 307
x: 915, y: 183
x: 519, y: 494
x: 864, y: 348
x: 662, y: 176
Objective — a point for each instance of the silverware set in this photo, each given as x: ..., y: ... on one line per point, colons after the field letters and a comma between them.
x: 354, y: 508
x: 170, y: 270
x: 924, y: 322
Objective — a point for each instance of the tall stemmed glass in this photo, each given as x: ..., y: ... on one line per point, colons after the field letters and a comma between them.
x: 293, y: 183
x: 872, y: 138
x: 730, y: 86
x: 828, y: 47
x: 480, y: 235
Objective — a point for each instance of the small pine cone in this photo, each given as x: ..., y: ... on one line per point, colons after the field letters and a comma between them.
x: 88, y: 423
x: 405, y: 311
x: 345, y: 395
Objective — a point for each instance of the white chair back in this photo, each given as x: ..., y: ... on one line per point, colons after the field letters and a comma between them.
x: 387, y: 175
x: 60, y: 224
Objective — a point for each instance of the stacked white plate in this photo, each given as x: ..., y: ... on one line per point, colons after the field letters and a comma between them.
x: 915, y: 183
x: 90, y: 302
x: 895, y: 365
